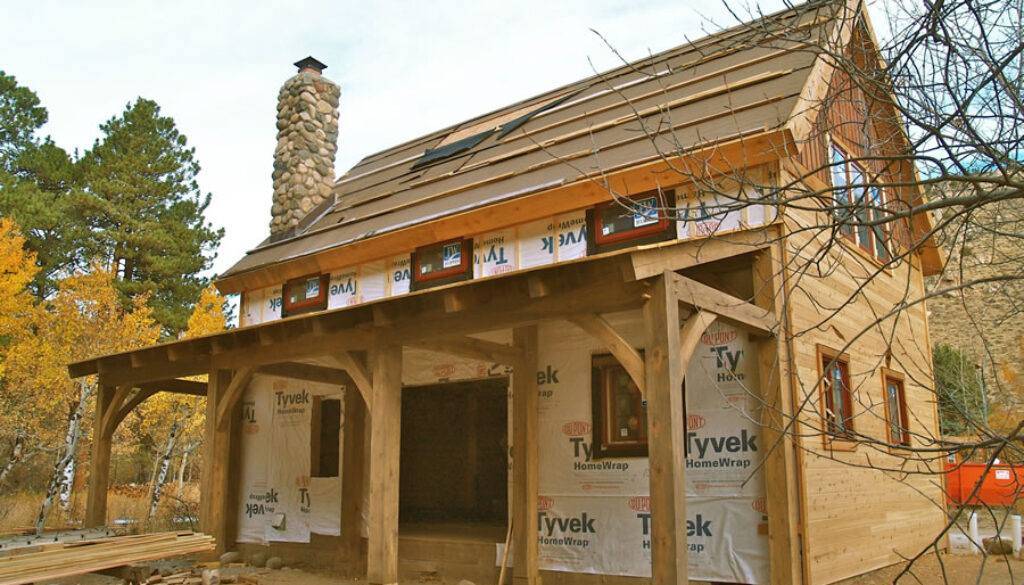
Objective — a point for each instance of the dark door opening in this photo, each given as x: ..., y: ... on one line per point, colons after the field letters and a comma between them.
x: 454, y: 456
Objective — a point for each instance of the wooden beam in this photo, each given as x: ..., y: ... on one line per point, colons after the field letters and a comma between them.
x: 525, y: 456
x: 744, y: 315
x: 385, y: 441
x: 679, y: 255
x: 307, y: 372
x: 779, y: 431
x: 360, y: 374
x: 110, y: 414
x: 231, y: 394
x: 471, y: 347
x: 153, y: 372
x: 99, y: 463
x: 138, y: 398
x: 627, y: 355
x: 175, y: 386
x: 666, y: 434
x: 299, y: 345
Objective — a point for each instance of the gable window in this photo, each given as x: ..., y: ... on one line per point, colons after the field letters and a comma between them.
x: 640, y: 219
x: 858, y: 203
x: 442, y: 263
x: 895, y: 408
x: 325, y: 435
x: 620, y: 411
x: 305, y: 294
x: 837, y: 399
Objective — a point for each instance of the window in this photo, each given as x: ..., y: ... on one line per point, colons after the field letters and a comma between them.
x: 895, y: 408
x: 639, y: 219
x: 325, y: 435
x: 305, y: 294
x: 858, y: 202
x: 620, y: 412
x: 836, y: 396
x: 443, y: 263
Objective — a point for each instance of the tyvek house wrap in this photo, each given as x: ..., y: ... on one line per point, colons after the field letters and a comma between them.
x: 595, y: 514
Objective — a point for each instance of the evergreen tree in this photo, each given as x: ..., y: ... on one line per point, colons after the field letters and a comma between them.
x: 38, y: 187
x: 961, y: 400
x: 145, y: 212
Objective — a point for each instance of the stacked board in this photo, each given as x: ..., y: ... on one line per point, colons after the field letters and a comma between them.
x: 64, y: 559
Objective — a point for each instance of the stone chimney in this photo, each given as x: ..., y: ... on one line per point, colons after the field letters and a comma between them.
x: 307, y: 140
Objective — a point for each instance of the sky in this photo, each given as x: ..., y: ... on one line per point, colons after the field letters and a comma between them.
x: 405, y: 69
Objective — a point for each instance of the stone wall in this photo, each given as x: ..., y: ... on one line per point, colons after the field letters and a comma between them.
x: 307, y: 124
x: 985, y: 319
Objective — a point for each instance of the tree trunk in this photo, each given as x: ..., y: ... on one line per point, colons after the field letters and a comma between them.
x: 165, y: 464
x: 181, y: 472
x: 16, y: 454
x: 66, y: 456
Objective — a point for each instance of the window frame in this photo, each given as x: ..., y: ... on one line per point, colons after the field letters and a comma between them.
x: 903, y: 423
x: 464, y: 271
x: 658, y: 231
x: 317, y: 303
x: 835, y: 436
x: 603, y: 365
x: 859, y: 201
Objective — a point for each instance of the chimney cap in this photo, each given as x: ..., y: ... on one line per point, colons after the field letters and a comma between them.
x: 311, y: 64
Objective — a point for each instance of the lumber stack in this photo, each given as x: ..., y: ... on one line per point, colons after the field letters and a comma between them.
x: 64, y: 559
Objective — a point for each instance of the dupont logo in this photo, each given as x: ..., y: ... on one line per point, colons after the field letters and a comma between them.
x: 444, y: 370
x: 695, y: 421
x: 718, y: 337
x: 640, y: 503
x: 576, y: 428
x: 760, y: 505
x: 544, y: 503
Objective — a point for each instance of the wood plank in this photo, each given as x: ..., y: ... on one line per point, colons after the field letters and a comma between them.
x: 99, y: 463
x: 745, y: 315
x: 666, y: 435
x: 239, y: 382
x: 679, y: 255
x: 385, y: 441
x: 625, y: 353
x: 525, y: 456
x: 471, y: 347
x: 176, y: 386
x: 307, y: 372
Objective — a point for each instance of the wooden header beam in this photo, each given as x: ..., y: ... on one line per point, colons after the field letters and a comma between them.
x: 745, y: 315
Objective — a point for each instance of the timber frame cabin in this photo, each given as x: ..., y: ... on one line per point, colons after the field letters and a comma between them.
x: 607, y: 240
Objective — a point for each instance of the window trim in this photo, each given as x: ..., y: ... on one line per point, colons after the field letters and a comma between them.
x: 602, y: 447
x: 317, y: 303
x: 904, y: 422
x: 464, y: 271
x: 835, y: 438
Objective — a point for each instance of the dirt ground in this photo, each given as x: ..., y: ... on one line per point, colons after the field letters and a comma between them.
x: 930, y: 570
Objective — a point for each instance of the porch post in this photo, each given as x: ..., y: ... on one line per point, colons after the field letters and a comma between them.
x: 785, y: 559
x: 99, y: 464
x: 353, y: 459
x: 666, y: 435
x: 385, y: 440
x: 214, y: 502
x: 524, y: 459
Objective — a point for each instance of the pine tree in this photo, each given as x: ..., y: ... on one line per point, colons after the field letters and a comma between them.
x: 145, y: 211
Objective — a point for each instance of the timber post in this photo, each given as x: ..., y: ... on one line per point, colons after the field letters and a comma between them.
x: 524, y: 459
x: 666, y: 435
x: 385, y: 449
x: 216, y: 466
x: 99, y: 464
x: 354, y: 458
x: 782, y: 501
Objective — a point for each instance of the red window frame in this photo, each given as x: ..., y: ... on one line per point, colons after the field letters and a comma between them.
x: 596, y: 220
x: 606, y: 372
x: 316, y: 303
x: 837, y: 404
x: 896, y: 422
x: 448, y: 274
